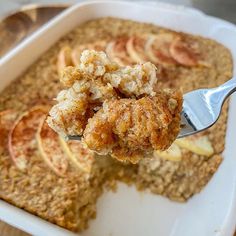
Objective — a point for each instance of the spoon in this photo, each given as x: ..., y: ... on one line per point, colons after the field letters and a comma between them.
x: 201, y: 108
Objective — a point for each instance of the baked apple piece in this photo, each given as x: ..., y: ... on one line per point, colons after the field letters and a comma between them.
x: 158, y: 49
x: 184, y: 51
x: 21, y: 141
x: 7, y: 118
x: 198, y: 143
x: 136, y: 48
x: 51, y: 150
x: 99, y: 45
x: 64, y: 59
x: 117, y: 51
x: 79, y: 155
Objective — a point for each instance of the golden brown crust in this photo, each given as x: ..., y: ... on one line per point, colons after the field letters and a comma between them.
x: 129, y: 128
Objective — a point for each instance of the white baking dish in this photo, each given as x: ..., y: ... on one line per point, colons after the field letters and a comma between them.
x: 128, y: 213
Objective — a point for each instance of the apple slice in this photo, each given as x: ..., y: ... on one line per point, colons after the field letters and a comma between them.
x: 117, y: 51
x: 51, y: 150
x: 197, y: 144
x: 136, y: 48
x: 184, y: 51
x: 7, y: 118
x: 64, y: 59
x: 158, y: 49
x: 21, y: 139
x: 99, y: 45
x: 173, y: 153
x: 80, y: 156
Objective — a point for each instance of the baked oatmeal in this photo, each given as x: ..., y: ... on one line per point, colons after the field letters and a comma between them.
x: 94, y: 107
x: 69, y: 199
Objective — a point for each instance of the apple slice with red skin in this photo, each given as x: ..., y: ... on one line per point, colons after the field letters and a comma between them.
x: 117, y: 51
x: 7, y: 118
x: 99, y: 45
x: 185, y: 51
x: 136, y: 48
x: 51, y: 150
x: 21, y: 139
x: 158, y: 49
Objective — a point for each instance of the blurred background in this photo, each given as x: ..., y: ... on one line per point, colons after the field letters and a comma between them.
x: 222, y: 8
x: 19, y: 18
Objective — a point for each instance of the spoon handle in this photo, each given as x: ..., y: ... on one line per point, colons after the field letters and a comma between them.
x: 228, y: 87
x: 218, y: 95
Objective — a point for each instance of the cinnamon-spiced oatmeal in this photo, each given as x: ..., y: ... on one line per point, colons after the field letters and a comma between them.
x: 116, y: 109
x: 186, y: 62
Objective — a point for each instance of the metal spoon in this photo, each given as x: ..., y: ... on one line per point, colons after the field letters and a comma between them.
x: 201, y: 108
x: 19, y: 25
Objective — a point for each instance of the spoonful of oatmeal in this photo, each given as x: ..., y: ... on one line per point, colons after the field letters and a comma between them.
x: 116, y: 110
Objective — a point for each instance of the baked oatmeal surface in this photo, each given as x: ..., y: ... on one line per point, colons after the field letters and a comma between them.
x: 71, y: 201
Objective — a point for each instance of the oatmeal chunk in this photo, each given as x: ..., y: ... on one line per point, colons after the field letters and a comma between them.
x: 96, y: 63
x: 130, y: 128
x: 93, y: 81
x: 130, y: 80
x: 134, y: 80
x: 116, y: 108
